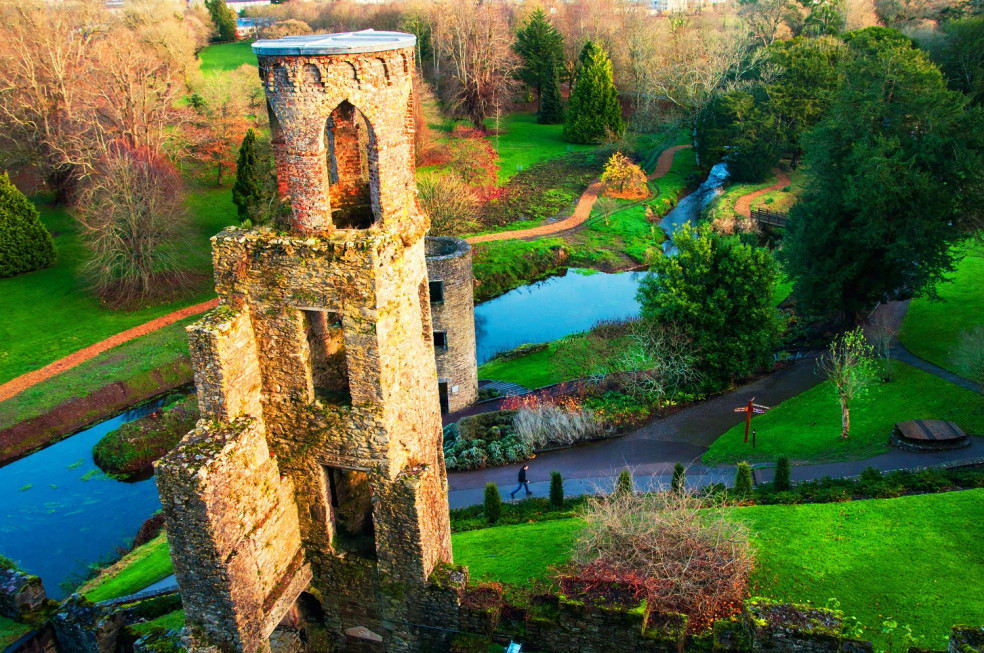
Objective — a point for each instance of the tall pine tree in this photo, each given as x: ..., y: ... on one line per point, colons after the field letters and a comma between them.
x: 551, y: 111
x: 593, y: 111
x: 540, y: 46
x: 247, y: 191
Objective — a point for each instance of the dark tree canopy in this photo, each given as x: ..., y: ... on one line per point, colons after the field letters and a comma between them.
x: 960, y: 55
x: 25, y: 244
x: 720, y: 290
x: 893, y: 167
x: 593, y: 111
x: 755, y: 126
x: 551, y: 111
x: 541, y: 48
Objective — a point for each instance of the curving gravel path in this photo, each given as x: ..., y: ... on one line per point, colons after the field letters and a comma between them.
x: 743, y: 205
x: 25, y: 381
x: 583, y: 209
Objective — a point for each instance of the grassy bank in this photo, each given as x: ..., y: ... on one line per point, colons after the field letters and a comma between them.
x: 11, y: 631
x: 522, y: 141
x: 51, y: 313
x: 135, y: 446
x: 141, y: 567
x: 807, y: 427
x: 223, y: 57
x: 931, y: 328
x: 912, y: 559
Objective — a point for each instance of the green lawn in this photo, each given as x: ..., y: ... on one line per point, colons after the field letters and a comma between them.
x: 51, y: 313
x: 226, y: 56
x: 524, y: 141
x: 782, y: 199
x: 11, y: 631
x: 170, y: 621
x: 915, y: 559
x: 132, y: 363
x: 931, y: 328
x: 532, y: 370
x: 136, y: 570
x: 807, y: 427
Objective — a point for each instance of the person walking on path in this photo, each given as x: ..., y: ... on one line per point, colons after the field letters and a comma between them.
x: 522, y: 483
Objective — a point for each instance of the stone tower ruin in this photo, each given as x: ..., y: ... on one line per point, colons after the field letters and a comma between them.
x: 452, y: 300
x: 313, y: 492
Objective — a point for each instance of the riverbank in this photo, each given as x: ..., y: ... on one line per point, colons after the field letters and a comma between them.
x: 96, y: 390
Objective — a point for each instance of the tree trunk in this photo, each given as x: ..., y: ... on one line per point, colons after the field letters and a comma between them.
x: 845, y: 418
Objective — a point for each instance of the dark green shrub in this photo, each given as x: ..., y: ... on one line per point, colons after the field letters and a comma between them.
x: 871, y: 474
x: 134, y: 447
x: 833, y: 495
x: 593, y: 111
x: 25, y: 244
x: 744, y: 486
x: 781, y: 482
x: 679, y: 482
x: 556, y: 490
x: 623, y: 484
x: 926, y: 481
x: 493, y: 503
x: 784, y: 498
x: 483, y: 440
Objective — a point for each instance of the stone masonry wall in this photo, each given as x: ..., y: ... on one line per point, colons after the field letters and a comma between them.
x: 449, y: 260
x: 359, y: 519
x: 233, y: 531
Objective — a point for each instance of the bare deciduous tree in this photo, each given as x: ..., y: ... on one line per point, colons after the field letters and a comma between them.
x: 849, y: 366
x: 473, y: 41
x: 133, y: 217
x: 657, y: 363
x: 449, y: 202
x: 667, y: 548
x: 880, y: 331
x: 968, y: 355
x: 766, y: 18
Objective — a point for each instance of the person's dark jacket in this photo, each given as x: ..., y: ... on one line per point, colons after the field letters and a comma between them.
x: 522, y: 475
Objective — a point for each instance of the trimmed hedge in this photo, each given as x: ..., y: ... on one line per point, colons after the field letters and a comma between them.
x: 25, y: 244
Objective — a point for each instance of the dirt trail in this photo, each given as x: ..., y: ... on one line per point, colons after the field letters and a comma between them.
x: 583, y: 209
x: 25, y: 381
x: 743, y: 205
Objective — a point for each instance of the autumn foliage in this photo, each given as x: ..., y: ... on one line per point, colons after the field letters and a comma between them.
x: 624, y: 179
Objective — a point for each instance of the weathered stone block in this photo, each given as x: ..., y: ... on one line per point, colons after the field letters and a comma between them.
x: 20, y: 593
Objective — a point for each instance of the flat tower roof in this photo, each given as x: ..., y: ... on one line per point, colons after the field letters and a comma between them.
x: 367, y: 40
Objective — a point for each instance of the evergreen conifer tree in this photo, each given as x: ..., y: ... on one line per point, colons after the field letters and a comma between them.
x: 223, y: 18
x: 247, y: 191
x: 593, y: 111
x: 25, y: 244
x: 493, y: 503
x: 781, y: 482
x: 556, y: 490
x: 743, y: 481
x: 679, y: 482
x: 623, y: 484
x: 551, y: 111
x: 540, y: 46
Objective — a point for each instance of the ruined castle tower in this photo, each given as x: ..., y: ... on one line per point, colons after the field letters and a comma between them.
x: 452, y: 300
x: 313, y: 493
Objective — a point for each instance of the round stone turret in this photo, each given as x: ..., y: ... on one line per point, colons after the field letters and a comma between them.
x: 341, y: 117
x: 451, y: 285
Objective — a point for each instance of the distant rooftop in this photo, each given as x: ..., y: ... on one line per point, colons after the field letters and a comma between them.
x: 367, y: 40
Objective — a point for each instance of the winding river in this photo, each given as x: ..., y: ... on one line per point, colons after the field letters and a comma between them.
x: 60, y: 512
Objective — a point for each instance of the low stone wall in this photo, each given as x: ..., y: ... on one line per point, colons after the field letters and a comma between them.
x: 20, y: 593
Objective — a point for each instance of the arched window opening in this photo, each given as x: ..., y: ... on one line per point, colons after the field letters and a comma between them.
x: 352, y: 172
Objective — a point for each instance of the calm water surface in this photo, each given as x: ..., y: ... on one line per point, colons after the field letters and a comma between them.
x: 58, y: 511
x: 574, y: 302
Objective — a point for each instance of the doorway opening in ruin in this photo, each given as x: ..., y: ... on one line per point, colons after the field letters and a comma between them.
x: 351, y: 511
x: 326, y: 356
x: 353, y: 171
x: 442, y: 391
